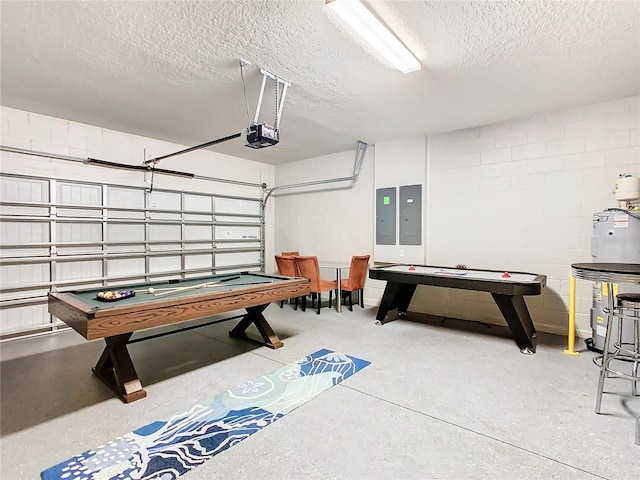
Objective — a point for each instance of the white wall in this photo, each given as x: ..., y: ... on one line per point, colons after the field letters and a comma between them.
x: 518, y: 195
x: 333, y: 221
x: 398, y: 163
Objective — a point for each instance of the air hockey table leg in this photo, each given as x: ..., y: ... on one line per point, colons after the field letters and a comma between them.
x: 515, y: 312
x: 396, y: 296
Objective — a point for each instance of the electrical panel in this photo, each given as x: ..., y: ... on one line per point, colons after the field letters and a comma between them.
x: 410, y: 229
x: 386, y: 216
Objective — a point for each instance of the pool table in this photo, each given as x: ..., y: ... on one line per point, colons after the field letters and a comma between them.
x: 163, y: 303
x: 507, y: 289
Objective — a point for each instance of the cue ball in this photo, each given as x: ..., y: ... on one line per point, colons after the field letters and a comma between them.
x: 151, y: 290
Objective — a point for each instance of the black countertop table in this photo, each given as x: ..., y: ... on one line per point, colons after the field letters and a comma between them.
x: 609, y: 273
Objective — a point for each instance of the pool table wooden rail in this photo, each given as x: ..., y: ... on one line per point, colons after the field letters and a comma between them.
x: 93, y: 323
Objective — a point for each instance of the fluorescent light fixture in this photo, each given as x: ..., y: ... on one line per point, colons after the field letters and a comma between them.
x: 363, y: 22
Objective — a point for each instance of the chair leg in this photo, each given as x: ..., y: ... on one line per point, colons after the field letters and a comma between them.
x: 295, y: 304
x: 351, y: 301
x: 281, y: 303
x: 361, y: 297
x: 313, y: 300
x: 319, y: 302
x: 304, y: 304
x: 330, y: 294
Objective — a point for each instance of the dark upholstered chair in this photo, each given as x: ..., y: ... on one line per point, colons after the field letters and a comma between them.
x: 357, y: 277
x: 308, y: 267
x: 287, y: 267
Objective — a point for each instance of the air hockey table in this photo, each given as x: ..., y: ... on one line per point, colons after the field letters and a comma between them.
x: 507, y: 289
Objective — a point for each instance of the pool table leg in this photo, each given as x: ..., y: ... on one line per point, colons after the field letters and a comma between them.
x: 254, y: 315
x: 515, y: 312
x: 116, y: 370
x: 396, y: 296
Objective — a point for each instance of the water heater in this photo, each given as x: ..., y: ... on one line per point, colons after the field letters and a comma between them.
x: 627, y: 189
x: 615, y: 239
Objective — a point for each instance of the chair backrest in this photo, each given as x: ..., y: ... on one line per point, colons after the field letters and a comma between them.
x: 358, y: 270
x: 286, y: 266
x: 308, y: 267
x: 290, y: 254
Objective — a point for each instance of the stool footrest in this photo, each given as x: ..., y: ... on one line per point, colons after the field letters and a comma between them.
x: 612, y: 373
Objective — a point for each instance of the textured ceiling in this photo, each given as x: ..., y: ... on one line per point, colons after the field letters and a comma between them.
x: 170, y: 70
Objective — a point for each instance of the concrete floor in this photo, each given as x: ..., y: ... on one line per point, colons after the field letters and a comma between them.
x: 457, y: 401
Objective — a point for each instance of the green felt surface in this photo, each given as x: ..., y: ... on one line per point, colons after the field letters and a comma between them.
x: 234, y: 282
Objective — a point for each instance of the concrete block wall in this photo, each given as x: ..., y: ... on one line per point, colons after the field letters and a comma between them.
x: 519, y: 195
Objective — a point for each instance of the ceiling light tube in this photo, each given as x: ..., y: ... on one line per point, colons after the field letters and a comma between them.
x: 363, y: 22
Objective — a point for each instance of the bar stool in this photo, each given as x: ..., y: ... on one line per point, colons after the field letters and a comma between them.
x: 624, y: 353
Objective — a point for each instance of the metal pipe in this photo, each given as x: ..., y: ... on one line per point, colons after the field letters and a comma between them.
x: 123, y: 166
x: 360, y: 151
x: 126, y: 221
x: 35, y: 153
x: 307, y: 184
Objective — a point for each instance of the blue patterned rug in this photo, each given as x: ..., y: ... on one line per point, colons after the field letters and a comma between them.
x: 166, y: 450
